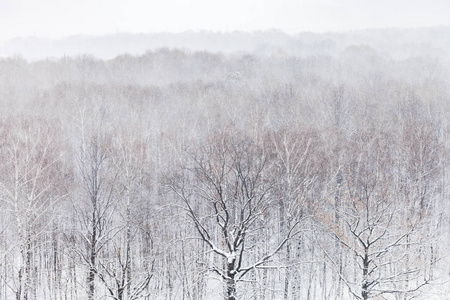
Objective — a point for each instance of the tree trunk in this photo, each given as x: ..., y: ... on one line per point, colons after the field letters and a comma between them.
x: 26, y: 281
x: 231, y: 282
x: 231, y: 289
x: 92, y: 258
x: 365, y: 284
x: 287, y: 278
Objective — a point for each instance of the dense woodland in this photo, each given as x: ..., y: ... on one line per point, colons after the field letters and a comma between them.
x: 182, y: 174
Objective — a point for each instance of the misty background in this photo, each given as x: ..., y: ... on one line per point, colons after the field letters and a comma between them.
x: 50, y: 28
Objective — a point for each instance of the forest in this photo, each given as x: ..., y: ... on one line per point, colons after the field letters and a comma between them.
x: 314, y: 168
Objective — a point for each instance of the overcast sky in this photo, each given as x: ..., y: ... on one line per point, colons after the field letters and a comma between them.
x: 59, y: 18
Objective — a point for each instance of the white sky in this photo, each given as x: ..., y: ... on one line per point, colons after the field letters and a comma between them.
x: 58, y: 18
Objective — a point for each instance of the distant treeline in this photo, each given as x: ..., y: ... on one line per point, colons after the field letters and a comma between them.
x: 400, y: 43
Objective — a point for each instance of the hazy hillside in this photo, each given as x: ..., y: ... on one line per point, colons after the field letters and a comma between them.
x: 396, y: 42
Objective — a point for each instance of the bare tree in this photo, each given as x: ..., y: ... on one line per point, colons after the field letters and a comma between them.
x: 226, y: 188
x: 375, y: 228
x: 95, y: 215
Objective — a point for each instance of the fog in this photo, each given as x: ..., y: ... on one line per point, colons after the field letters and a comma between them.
x: 398, y: 43
x: 62, y: 18
x: 176, y: 150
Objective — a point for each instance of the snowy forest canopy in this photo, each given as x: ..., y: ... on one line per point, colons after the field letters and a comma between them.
x: 310, y: 172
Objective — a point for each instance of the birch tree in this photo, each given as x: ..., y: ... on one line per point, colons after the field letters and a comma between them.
x: 121, y: 276
x: 31, y: 173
